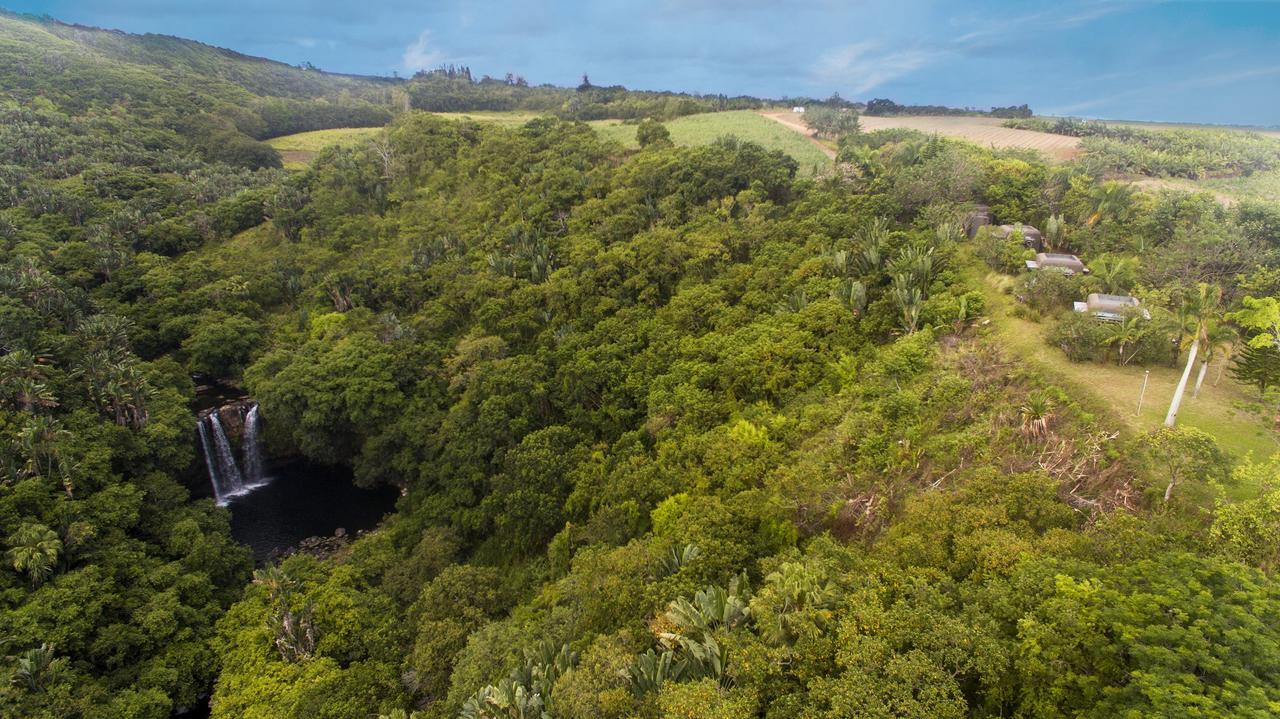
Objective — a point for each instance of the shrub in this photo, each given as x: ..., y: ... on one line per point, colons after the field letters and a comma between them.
x: 1081, y: 337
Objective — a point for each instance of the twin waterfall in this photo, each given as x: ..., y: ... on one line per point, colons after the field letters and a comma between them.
x: 231, y: 478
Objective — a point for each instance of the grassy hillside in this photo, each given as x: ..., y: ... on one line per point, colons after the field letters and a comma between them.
x: 1225, y: 410
x: 298, y: 149
x: 743, y: 124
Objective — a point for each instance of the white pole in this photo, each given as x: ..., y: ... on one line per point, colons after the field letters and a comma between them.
x: 1145, y: 376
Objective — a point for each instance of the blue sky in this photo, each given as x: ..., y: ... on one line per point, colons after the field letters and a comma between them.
x: 1210, y: 61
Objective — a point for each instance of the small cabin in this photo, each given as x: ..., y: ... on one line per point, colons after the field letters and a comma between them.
x: 798, y: 110
x: 1066, y: 264
x: 1032, y: 239
x: 1110, y: 308
x: 980, y: 217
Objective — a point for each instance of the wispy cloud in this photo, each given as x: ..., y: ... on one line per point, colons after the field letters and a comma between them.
x: 862, y: 66
x: 1192, y: 83
x: 421, y: 55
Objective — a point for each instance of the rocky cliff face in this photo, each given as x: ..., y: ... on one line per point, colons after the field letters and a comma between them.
x: 232, y: 415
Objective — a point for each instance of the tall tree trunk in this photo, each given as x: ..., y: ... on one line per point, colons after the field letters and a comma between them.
x: 1204, y: 367
x: 1176, y: 402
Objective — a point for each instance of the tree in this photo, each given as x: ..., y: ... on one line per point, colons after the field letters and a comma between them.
x: 1258, y: 366
x: 34, y: 550
x: 831, y: 122
x: 1126, y: 333
x: 1201, y: 308
x: 1186, y: 453
x: 1109, y: 201
x: 1114, y: 275
x: 1220, y: 340
x: 1263, y: 317
x: 651, y: 132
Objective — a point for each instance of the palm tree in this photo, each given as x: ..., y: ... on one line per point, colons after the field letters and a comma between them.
x: 1201, y: 308
x: 1114, y: 275
x: 1220, y: 339
x: 34, y: 667
x: 864, y: 160
x: 33, y: 550
x: 1110, y: 200
x: 1126, y: 333
x: 22, y: 381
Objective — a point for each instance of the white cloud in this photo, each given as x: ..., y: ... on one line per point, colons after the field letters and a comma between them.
x: 420, y: 55
x: 862, y: 66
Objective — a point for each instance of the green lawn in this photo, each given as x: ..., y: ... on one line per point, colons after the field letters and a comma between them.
x: 298, y: 149
x: 1225, y: 410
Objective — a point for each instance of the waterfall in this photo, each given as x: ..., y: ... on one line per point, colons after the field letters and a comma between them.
x: 250, y: 450
x: 228, y: 470
x: 225, y: 473
x: 207, y: 445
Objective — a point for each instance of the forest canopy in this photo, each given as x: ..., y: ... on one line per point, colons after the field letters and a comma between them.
x: 674, y: 431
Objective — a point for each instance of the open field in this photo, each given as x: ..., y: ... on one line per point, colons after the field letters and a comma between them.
x: 505, y: 119
x: 1226, y: 410
x: 985, y: 131
x: 1264, y: 186
x: 297, y: 150
x: 744, y: 124
x: 1268, y: 131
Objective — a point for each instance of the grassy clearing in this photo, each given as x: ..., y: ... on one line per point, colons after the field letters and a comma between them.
x: 1227, y: 410
x: 297, y: 150
x: 1258, y: 186
x: 505, y: 119
x: 744, y: 124
x: 1263, y: 186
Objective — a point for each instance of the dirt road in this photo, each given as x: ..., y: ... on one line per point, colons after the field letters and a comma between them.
x: 793, y: 121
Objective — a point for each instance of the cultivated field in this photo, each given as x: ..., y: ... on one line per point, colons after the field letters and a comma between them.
x: 297, y: 150
x: 985, y: 131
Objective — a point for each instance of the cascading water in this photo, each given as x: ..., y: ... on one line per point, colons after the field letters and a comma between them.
x: 252, y: 453
x: 206, y: 443
x: 224, y: 471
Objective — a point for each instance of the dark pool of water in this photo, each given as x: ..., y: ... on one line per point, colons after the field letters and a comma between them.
x: 303, y: 500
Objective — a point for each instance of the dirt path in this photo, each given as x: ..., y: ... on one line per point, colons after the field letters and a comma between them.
x: 793, y: 121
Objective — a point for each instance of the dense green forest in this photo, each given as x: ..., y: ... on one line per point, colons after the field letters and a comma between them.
x: 677, y: 433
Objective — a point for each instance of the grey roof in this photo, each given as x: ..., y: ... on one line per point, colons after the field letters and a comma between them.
x: 1071, y: 263
x: 1099, y: 302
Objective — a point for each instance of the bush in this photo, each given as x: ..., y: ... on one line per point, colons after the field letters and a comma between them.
x: 1001, y: 254
x: 1047, y: 291
x: 1081, y: 337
